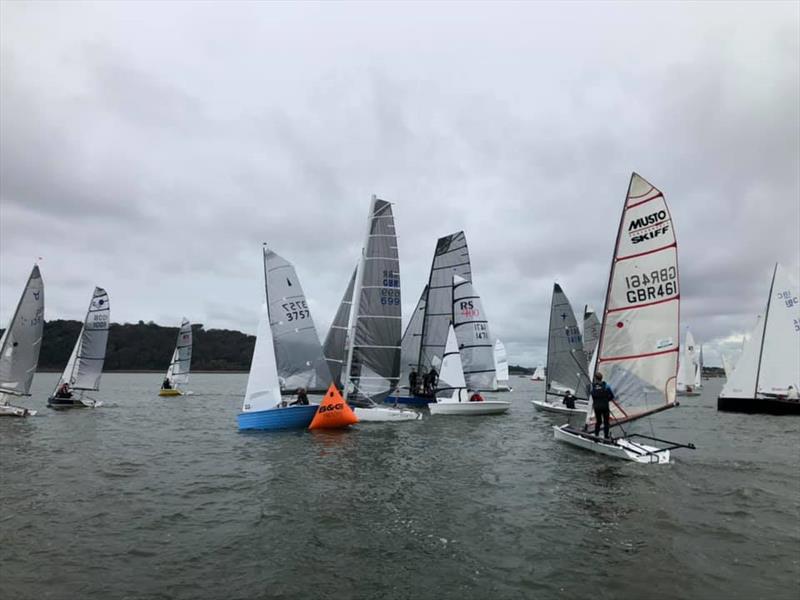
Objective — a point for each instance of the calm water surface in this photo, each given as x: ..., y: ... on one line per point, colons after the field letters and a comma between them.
x: 163, y: 498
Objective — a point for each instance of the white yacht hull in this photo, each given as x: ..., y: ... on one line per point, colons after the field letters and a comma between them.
x: 620, y: 448
x: 382, y: 414
x: 544, y: 406
x: 487, y: 407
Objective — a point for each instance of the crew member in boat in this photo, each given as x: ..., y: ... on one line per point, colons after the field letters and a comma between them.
x: 602, y: 395
x: 791, y: 393
x: 413, y: 381
x: 569, y: 399
x: 302, y: 397
x: 63, y: 391
x: 432, y: 381
x: 476, y: 397
x: 166, y: 385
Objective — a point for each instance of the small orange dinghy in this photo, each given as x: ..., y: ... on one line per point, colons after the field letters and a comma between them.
x: 333, y: 412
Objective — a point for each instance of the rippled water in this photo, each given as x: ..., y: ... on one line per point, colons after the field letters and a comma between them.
x: 163, y: 498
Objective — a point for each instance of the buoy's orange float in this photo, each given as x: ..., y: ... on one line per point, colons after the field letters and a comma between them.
x: 333, y: 412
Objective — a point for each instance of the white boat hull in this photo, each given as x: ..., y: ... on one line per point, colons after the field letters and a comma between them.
x: 487, y: 407
x: 620, y: 448
x: 544, y: 406
x: 504, y: 387
x: 9, y: 410
x: 382, y: 414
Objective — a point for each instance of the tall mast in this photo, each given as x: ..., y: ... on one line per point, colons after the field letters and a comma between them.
x: 764, y: 330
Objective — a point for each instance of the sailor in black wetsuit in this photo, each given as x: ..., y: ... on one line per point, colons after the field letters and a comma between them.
x: 569, y: 400
x: 302, y: 397
x: 602, y: 395
x: 165, y: 385
x: 413, y: 380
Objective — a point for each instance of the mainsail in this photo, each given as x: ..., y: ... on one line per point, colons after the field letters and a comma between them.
x: 85, y: 365
x: 451, y: 378
x: 334, y: 349
x: 263, y: 387
x: 500, y: 361
x: 566, y: 360
x: 179, y: 366
x: 297, y: 348
x: 591, y: 330
x: 22, y: 339
x: 373, y: 364
x: 698, y: 372
x: 639, y: 337
x: 474, y: 339
x: 741, y: 381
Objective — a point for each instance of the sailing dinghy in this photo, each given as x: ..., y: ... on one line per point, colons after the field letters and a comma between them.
x: 566, y: 360
x: 452, y: 396
x: 767, y: 374
x: 180, y: 364
x: 688, y: 368
x: 538, y: 373
x: 374, y: 333
x: 501, y: 367
x: 20, y: 345
x: 85, y: 364
x: 638, y: 348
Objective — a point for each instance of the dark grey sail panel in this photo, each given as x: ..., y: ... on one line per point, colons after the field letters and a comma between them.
x: 567, y: 365
x: 335, y: 347
x: 474, y: 338
x: 450, y: 258
x: 298, y: 351
x: 375, y: 365
x: 412, y: 339
x: 22, y: 339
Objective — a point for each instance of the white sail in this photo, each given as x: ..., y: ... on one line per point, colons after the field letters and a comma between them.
x: 591, y: 330
x: 780, y: 355
x: 85, y: 365
x: 698, y: 371
x: 500, y: 362
x: 741, y: 383
x: 538, y: 373
x: 451, y: 378
x: 687, y: 363
x: 181, y: 362
x: 474, y: 339
x: 263, y: 387
x: 727, y: 366
x: 22, y: 339
x: 639, y: 340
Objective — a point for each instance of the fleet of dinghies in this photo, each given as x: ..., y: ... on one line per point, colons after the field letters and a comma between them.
x: 368, y: 366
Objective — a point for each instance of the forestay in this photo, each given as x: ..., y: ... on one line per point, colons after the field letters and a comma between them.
x: 566, y: 359
x: 179, y: 366
x: 263, y: 387
x: 374, y: 354
x: 780, y: 355
x: 639, y: 339
x: 591, y: 330
x: 298, y: 351
x: 474, y: 339
x: 500, y: 361
x: 22, y: 339
x: 85, y: 365
x: 334, y: 349
x: 451, y: 378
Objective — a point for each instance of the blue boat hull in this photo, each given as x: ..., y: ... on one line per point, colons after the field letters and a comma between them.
x: 409, y: 400
x: 289, y: 417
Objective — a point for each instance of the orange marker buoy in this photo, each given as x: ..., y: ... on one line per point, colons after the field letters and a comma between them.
x: 333, y: 412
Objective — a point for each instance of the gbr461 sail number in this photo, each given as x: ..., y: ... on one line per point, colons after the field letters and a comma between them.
x: 656, y: 285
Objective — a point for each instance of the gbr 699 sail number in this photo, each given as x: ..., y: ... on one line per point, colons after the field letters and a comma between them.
x: 656, y: 285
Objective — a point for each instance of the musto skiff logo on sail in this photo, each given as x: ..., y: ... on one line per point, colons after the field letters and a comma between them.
x: 650, y: 287
x: 649, y: 227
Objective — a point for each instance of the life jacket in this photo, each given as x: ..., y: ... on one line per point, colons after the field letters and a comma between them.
x: 601, y: 393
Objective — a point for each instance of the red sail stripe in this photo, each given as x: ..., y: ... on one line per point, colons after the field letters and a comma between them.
x: 672, y: 245
x: 633, y: 356
x: 611, y: 310
x: 659, y: 195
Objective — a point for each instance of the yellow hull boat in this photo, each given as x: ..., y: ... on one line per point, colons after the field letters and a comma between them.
x: 170, y: 392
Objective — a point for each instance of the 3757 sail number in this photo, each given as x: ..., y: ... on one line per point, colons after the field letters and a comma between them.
x: 296, y: 310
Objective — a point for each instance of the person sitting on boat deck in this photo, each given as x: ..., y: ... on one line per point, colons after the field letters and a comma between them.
x: 413, y: 381
x: 166, y: 385
x: 433, y: 380
x: 476, y: 397
x: 302, y: 397
x: 791, y: 393
x: 63, y: 391
x: 569, y: 400
x: 602, y: 395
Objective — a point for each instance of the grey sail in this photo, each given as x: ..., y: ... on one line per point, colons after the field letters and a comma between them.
x: 181, y: 363
x: 334, y: 349
x: 450, y: 258
x: 591, y: 330
x: 22, y: 339
x: 85, y: 364
x: 374, y: 355
x: 298, y: 352
x: 412, y: 340
x: 567, y: 365
x: 474, y: 339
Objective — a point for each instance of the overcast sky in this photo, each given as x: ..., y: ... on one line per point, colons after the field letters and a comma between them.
x: 150, y: 148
